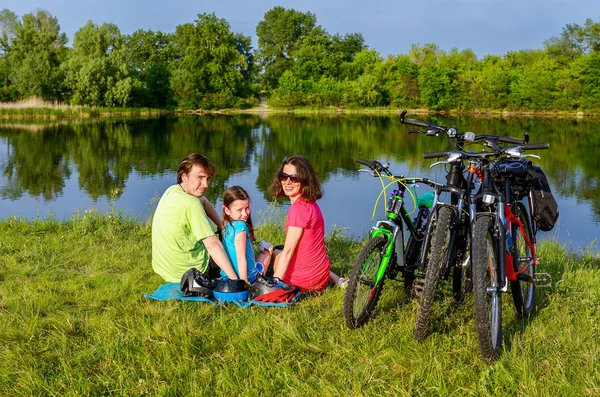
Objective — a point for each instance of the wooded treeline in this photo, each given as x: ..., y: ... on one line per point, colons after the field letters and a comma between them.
x: 204, y: 65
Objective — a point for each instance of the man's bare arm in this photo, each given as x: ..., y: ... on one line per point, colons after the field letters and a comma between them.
x: 216, y: 251
x: 211, y: 212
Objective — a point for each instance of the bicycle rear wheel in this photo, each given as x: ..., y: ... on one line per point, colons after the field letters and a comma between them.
x: 486, y: 289
x: 437, y: 256
x: 523, y: 291
x: 362, y: 294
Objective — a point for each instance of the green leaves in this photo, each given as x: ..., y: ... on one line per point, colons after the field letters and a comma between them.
x: 206, y: 71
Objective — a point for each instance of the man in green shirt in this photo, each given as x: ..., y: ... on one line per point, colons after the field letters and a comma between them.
x: 182, y: 237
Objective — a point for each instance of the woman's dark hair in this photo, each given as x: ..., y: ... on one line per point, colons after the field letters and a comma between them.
x: 311, y: 187
x: 190, y: 161
x: 229, y: 196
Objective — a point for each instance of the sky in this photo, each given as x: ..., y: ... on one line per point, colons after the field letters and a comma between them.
x: 488, y: 27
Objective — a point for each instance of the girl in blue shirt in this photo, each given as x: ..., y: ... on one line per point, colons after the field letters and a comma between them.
x: 238, y: 235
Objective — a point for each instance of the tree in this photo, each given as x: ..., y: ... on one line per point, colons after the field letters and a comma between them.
x: 491, y: 88
x: 248, y: 69
x: 97, y: 73
x: 148, y: 56
x: 207, y: 67
x: 35, y: 57
x: 8, y: 31
x: 534, y: 86
x: 319, y: 54
x: 575, y: 40
x: 279, y: 35
x: 400, y: 80
x: 436, y: 87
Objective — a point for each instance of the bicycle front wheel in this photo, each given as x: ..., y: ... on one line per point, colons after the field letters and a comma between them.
x: 362, y: 294
x: 523, y: 291
x: 486, y: 289
x: 437, y: 256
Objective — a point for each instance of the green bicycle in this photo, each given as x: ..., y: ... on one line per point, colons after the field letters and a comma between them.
x: 385, y: 255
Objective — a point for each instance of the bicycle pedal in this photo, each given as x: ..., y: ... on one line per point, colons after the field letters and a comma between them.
x: 543, y: 280
x: 418, y: 288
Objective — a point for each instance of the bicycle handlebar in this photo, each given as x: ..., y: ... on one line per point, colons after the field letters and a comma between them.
x: 495, y: 153
x: 535, y: 146
x: 416, y: 123
x: 433, y: 129
x: 377, y: 166
x: 433, y: 155
x: 500, y: 138
x: 368, y: 163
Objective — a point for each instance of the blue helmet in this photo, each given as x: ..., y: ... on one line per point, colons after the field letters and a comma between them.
x: 231, y: 290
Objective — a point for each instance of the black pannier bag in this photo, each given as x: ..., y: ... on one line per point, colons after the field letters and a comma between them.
x: 545, y: 208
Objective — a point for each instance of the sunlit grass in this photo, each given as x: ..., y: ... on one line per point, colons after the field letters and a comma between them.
x: 74, y: 322
x: 38, y: 108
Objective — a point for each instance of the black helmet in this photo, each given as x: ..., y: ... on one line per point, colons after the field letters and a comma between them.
x: 194, y: 283
x: 264, y: 285
x: 266, y: 289
x: 231, y: 290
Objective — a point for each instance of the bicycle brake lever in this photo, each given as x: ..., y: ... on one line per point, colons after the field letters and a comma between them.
x: 438, y: 163
x: 370, y: 172
x: 531, y: 155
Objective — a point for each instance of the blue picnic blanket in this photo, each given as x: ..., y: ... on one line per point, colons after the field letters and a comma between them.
x: 171, y: 291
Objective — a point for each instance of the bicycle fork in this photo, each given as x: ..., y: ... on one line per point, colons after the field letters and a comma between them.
x: 395, y: 238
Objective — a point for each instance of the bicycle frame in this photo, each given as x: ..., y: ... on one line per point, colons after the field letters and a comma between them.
x: 393, y: 230
x: 458, y: 188
x: 504, y: 218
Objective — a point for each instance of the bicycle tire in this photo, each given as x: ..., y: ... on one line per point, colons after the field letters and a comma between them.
x: 523, y: 292
x: 486, y: 291
x: 361, y: 293
x: 437, y: 256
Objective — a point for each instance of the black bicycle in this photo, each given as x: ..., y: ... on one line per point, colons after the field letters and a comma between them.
x: 447, y: 242
x: 502, y: 236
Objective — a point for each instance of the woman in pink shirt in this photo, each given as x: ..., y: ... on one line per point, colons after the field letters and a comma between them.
x: 303, y: 261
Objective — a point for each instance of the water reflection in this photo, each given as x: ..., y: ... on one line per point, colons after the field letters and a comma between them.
x: 67, y: 165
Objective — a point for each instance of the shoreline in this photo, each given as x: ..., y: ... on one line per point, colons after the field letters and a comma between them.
x: 265, y: 111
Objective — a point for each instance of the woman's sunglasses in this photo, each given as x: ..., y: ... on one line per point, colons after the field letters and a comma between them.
x: 284, y: 177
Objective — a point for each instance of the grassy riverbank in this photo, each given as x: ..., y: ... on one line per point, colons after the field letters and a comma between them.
x: 35, y: 108
x: 74, y: 322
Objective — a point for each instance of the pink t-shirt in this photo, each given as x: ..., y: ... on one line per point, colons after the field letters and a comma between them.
x: 309, y: 267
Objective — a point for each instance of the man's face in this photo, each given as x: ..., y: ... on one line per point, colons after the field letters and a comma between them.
x: 196, y: 181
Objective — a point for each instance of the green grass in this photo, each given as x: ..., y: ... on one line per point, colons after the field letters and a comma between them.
x: 74, y: 322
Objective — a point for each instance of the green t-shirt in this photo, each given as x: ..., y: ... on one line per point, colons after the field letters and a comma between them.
x: 178, y: 226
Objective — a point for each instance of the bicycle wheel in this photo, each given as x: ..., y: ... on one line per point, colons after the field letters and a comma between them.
x: 523, y: 292
x: 362, y: 294
x: 486, y: 291
x: 437, y: 256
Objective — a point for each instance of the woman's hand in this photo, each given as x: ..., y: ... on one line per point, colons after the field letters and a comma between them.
x: 292, y: 239
x: 265, y: 245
